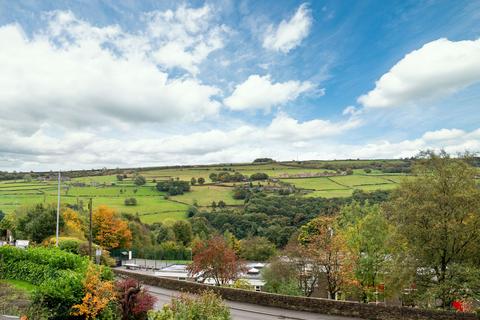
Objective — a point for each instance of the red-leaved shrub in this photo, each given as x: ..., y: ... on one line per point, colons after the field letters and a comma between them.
x: 135, y: 301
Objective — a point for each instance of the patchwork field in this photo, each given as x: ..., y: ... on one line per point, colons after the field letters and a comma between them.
x: 153, y: 206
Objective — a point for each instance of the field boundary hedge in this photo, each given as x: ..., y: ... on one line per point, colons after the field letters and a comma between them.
x: 317, y: 305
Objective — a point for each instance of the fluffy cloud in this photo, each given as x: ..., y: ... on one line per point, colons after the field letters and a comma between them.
x: 439, y: 68
x: 185, y: 37
x: 289, y: 34
x: 259, y: 92
x: 73, y: 74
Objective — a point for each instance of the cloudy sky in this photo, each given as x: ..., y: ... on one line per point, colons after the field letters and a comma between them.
x: 88, y: 84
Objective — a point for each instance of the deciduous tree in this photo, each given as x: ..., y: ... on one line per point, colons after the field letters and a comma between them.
x: 109, y: 230
x: 326, y: 247
x: 213, y: 259
x: 438, y: 214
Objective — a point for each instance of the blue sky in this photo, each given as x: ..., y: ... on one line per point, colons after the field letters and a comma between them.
x: 137, y: 83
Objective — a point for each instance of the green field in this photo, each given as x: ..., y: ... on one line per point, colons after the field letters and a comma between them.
x: 152, y: 205
x: 205, y: 195
x: 343, y: 186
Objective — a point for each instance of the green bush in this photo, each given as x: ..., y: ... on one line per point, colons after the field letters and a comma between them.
x: 60, y: 294
x: 70, y: 245
x: 130, y: 201
x: 36, y: 265
x: 206, y: 306
x: 58, y: 274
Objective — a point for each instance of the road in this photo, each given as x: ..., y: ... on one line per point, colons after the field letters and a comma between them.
x: 248, y: 311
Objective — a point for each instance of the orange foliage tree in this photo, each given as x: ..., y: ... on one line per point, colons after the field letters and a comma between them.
x: 109, y: 230
x: 98, y: 295
x: 214, y: 259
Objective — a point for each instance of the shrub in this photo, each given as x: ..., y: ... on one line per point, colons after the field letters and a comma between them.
x: 206, y: 306
x: 98, y: 294
x: 36, y: 265
x: 140, y: 180
x: 58, y: 274
x: 130, y: 202
x: 259, y: 176
x: 134, y: 299
x: 60, y: 294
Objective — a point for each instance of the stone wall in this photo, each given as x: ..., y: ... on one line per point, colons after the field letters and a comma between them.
x: 322, y: 306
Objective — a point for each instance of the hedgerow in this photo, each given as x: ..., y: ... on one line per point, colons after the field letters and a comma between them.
x: 59, y: 276
x: 37, y: 265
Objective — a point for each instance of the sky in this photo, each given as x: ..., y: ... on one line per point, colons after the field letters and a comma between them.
x: 92, y: 84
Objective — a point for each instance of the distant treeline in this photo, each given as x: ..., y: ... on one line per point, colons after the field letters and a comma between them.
x: 386, y: 166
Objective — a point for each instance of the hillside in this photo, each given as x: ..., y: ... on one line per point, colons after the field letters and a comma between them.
x: 326, y: 179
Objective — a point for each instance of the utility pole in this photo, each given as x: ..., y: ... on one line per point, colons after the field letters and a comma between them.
x: 58, y: 209
x: 90, y: 229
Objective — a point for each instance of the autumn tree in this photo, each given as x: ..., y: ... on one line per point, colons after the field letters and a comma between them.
x: 98, y: 294
x: 326, y: 248
x: 438, y: 214
x: 213, y: 259
x: 109, y: 230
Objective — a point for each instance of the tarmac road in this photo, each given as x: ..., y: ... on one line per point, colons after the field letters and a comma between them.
x: 248, y: 311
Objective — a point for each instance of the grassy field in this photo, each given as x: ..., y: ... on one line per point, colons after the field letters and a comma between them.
x: 152, y: 205
x: 205, y: 195
x: 343, y: 186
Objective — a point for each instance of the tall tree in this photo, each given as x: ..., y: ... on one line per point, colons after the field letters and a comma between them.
x: 326, y: 247
x: 369, y: 241
x: 438, y: 214
x: 109, y: 230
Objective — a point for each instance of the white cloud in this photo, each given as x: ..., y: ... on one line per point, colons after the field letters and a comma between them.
x: 439, y: 68
x: 185, y: 37
x: 289, y: 34
x: 351, y: 111
x: 443, y: 134
x: 69, y: 75
x: 285, y: 128
x: 259, y: 92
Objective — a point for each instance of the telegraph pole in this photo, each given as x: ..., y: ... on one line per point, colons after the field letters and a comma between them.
x: 90, y: 229
x: 58, y: 209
